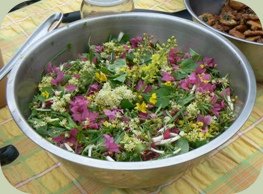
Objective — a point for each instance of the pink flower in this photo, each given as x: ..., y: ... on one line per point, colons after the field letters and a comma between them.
x: 59, y: 78
x: 217, y: 106
x: 167, y: 77
x: 206, y: 87
x: 71, y: 138
x: 140, y: 85
x: 110, y: 144
x: 206, y: 120
x: 188, y: 82
x: 111, y: 114
x: 167, y: 134
x: 173, y: 57
x: 91, y: 120
x: 70, y: 87
x: 79, y: 109
x: 93, y: 88
x: 200, y: 69
x: 136, y: 41
x: 225, y: 92
x: 209, y: 62
x: 77, y: 76
x: 99, y: 48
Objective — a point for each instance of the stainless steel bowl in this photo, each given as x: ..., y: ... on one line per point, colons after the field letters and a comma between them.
x: 24, y: 79
x: 252, y: 50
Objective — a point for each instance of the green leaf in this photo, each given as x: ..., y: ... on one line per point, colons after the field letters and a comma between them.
x: 146, y: 58
x: 183, y: 144
x: 121, y: 78
x: 125, y: 38
x: 118, y: 63
x: 130, y: 56
x: 195, y: 56
x: 126, y: 104
x: 197, y: 143
x: 163, y: 102
x: 163, y: 91
x: 179, y: 75
x: 42, y: 130
x: 55, y: 131
x: 163, y: 96
x: 188, y: 65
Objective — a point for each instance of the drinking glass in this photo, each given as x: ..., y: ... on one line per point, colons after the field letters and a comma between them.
x: 90, y: 8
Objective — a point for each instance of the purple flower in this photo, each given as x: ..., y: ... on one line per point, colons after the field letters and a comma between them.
x: 140, y: 85
x: 136, y: 41
x: 200, y: 69
x: 111, y: 114
x: 187, y: 56
x: 209, y: 62
x: 59, y: 78
x: 99, y: 48
x: 167, y: 77
x: 71, y: 138
x: 188, y: 82
x: 77, y: 76
x: 206, y: 87
x: 225, y: 92
x: 217, y: 106
x: 93, y: 88
x: 173, y: 58
x: 110, y: 144
x: 91, y: 120
x: 79, y: 109
x: 70, y: 87
x: 206, y: 120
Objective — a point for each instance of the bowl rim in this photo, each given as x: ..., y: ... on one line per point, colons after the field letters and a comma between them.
x: 190, y: 10
x: 139, y: 165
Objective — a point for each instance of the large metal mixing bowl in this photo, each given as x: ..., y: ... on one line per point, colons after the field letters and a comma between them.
x: 252, y: 50
x: 24, y: 79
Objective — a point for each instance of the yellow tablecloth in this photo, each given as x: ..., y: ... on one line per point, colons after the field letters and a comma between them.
x: 229, y: 169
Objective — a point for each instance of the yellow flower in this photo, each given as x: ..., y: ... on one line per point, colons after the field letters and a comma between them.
x: 141, y: 107
x: 168, y: 83
x: 45, y: 94
x: 153, y: 99
x: 200, y: 124
x: 101, y: 76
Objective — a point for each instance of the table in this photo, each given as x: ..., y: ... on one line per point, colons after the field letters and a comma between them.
x: 229, y: 169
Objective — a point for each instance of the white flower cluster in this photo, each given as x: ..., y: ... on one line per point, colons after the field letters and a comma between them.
x: 45, y: 82
x: 130, y: 143
x: 39, y: 123
x: 86, y: 66
x: 74, y: 81
x: 192, y: 109
x: 59, y: 103
x: 111, y: 98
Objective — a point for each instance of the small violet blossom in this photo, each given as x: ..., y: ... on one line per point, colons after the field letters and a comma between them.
x: 91, y: 120
x: 79, y: 109
x: 112, y: 114
x: 110, y: 144
x: 136, y: 41
x: 70, y: 87
x: 206, y: 120
x: 59, y: 78
x: 167, y: 77
x: 70, y: 138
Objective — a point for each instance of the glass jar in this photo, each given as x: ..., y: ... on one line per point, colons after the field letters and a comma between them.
x: 91, y: 8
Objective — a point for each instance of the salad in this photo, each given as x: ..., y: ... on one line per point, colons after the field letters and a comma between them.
x: 133, y: 99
